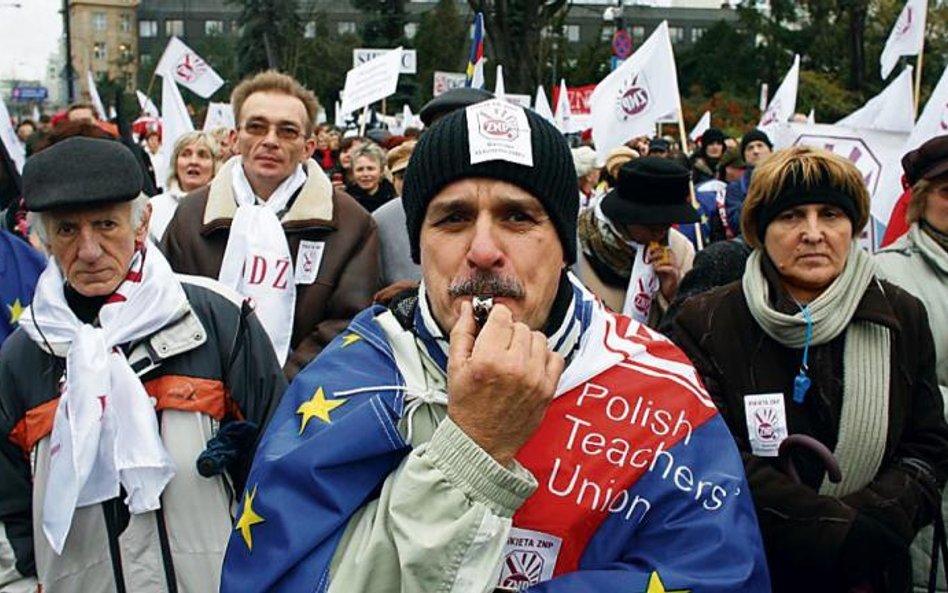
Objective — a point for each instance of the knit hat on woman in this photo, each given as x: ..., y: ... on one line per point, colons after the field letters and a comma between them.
x: 495, y: 140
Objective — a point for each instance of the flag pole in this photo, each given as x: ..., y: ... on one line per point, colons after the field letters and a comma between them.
x: 699, y: 240
x: 918, y: 78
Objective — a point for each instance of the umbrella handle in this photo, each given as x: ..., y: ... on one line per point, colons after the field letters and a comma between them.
x: 815, y: 446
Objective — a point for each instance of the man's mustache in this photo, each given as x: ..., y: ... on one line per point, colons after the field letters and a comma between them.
x: 487, y: 284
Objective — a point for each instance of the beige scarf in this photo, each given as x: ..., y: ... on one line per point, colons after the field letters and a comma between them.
x: 865, y: 413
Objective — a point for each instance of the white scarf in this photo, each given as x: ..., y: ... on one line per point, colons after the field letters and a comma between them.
x: 643, y: 285
x: 105, y: 432
x: 257, y: 242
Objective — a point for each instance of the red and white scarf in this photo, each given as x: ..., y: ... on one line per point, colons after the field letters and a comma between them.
x: 105, y: 432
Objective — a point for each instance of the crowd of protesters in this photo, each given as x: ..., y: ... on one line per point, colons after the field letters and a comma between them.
x: 293, y: 357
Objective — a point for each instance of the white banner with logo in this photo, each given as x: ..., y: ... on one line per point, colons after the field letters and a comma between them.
x: 875, y: 153
x: 188, y: 69
x: 629, y: 101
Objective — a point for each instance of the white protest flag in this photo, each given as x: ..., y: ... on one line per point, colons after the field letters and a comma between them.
x: 94, y: 97
x: 499, y: 91
x: 175, y: 121
x: 188, y: 69
x: 629, y: 101
x: 15, y: 149
x: 563, y: 116
x: 784, y: 103
x: 907, y: 37
x: 811, y: 117
x: 891, y: 110
x: 372, y: 81
x: 339, y: 117
x: 542, y: 106
x: 933, y: 122
x: 36, y: 114
x: 219, y: 115
x: 701, y: 127
x: 146, y: 104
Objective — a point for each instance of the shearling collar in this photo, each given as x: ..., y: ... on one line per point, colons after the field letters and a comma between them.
x: 313, y: 206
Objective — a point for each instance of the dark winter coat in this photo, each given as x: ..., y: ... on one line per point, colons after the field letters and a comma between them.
x: 809, y: 541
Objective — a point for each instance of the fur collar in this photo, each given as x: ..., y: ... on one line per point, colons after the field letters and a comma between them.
x: 313, y: 206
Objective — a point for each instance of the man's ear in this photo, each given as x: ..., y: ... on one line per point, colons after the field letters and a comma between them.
x: 141, y: 233
x: 232, y: 137
x: 310, y: 147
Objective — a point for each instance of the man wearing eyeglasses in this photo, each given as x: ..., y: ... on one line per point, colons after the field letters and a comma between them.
x: 271, y: 226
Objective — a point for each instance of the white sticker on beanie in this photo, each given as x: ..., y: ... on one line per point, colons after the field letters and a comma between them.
x: 499, y: 131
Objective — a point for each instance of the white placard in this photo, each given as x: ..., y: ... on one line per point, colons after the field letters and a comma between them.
x: 529, y: 558
x: 372, y: 81
x: 362, y: 55
x: 308, y: 259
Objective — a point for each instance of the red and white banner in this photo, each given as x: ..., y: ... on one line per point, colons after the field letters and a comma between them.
x: 578, y: 97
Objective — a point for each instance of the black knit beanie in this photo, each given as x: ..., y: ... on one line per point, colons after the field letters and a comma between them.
x: 442, y: 156
x: 755, y: 134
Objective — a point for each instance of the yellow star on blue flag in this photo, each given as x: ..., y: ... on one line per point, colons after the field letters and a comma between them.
x: 16, y: 309
x: 318, y: 406
x: 248, y: 518
x: 349, y: 339
x: 655, y: 585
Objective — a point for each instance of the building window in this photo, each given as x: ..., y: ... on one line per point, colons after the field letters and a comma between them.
x: 100, y: 21
x: 99, y: 51
x: 213, y: 27
x: 572, y: 33
x: 677, y: 34
x: 411, y: 29
x: 345, y: 27
x: 309, y: 30
x: 125, y: 22
x: 174, y: 27
x: 696, y: 33
x: 638, y: 32
x: 145, y: 59
x: 148, y: 29
x: 607, y: 32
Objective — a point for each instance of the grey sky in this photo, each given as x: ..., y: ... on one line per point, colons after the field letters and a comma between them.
x: 28, y: 35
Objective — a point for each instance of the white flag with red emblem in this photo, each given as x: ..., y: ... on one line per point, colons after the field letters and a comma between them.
x: 181, y: 64
x: 641, y: 91
x: 891, y: 110
x: 907, y: 37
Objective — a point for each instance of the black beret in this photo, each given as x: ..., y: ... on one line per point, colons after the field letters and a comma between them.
x: 81, y: 171
x: 454, y: 99
x: 712, y: 136
x: 928, y: 161
x: 650, y: 190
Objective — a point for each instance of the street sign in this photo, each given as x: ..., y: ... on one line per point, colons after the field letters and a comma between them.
x: 29, y: 93
x: 616, y: 62
x: 362, y: 55
x: 622, y: 44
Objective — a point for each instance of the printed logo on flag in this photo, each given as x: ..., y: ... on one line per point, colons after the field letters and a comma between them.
x: 189, y: 68
x: 771, y: 116
x: 529, y: 558
x: 634, y: 98
x: 904, y: 24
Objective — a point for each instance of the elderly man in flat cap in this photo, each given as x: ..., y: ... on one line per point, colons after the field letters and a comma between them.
x: 120, y: 374
x: 498, y: 428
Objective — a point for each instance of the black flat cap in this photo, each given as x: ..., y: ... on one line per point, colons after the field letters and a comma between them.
x: 650, y: 190
x: 80, y: 172
x: 928, y: 161
x: 454, y: 99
